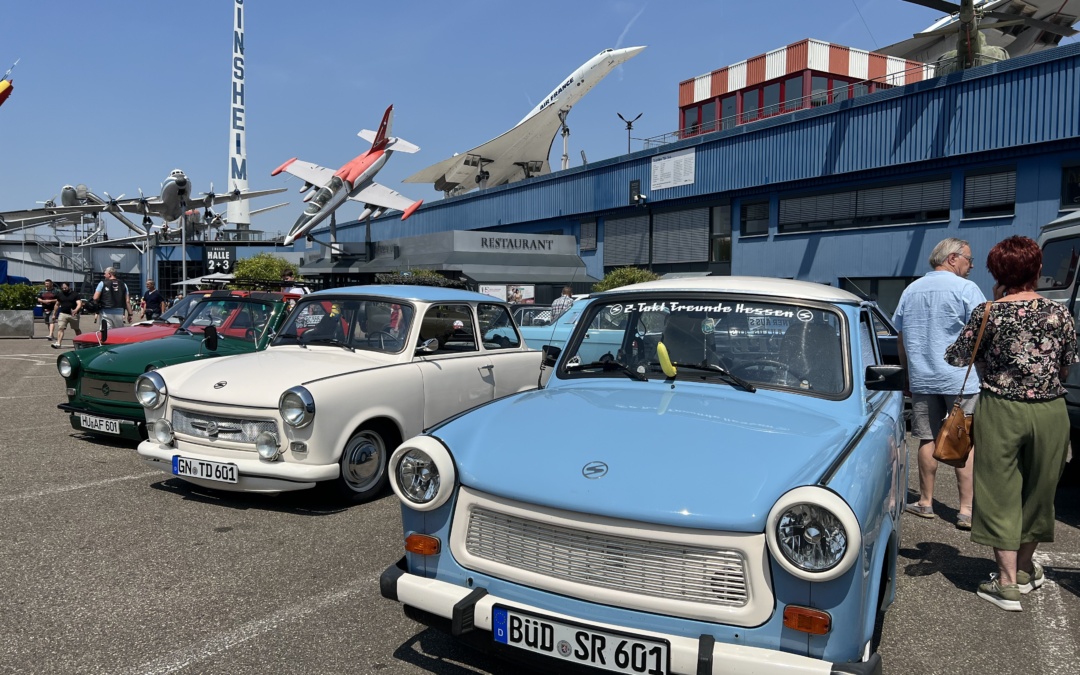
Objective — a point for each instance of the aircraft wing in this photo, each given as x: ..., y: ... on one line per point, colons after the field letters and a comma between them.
x: 12, y: 221
x: 529, y: 141
x: 380, y: 195
x: 235, y: 196
x: 307, y: 172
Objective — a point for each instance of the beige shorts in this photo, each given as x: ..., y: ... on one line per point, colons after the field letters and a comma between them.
x: 65, y: 320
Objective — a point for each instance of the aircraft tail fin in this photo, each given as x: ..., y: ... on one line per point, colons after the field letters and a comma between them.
x: 382, y: 139
x: 382, y: 136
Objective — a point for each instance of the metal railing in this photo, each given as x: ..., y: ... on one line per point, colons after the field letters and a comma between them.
x: 815, y: 99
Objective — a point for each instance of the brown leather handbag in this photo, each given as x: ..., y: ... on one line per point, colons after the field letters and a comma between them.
x: 953, y: 443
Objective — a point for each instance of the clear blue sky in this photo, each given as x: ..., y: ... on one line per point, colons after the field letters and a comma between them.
x: 117, y: 93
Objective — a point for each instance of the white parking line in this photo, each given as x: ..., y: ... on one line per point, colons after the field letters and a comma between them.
x: 201, y: 651
x: 1057, y: 642
x: 12, y: 398
x: 70, y: 488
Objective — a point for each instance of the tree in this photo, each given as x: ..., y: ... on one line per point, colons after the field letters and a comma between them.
x: 623, y: 276
x: 265, y: 267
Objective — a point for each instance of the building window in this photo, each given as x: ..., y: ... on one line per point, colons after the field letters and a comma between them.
x: 680, y: 236
x: 1070, y: 187
x: 860, y: 89
x: 751, y: 107
x: 721, y: 234
x: 901, y: 204
x: 886, y: 291
x: 793, y: 93
x: 819, y: 91
x: 771, y: 99
x: 989, y: 194
x: 727, y: 111
x: 708, y: 117
x: 690, y: 120
x: 588, y: 236
x: 754, y: 218
x: 626, y: 241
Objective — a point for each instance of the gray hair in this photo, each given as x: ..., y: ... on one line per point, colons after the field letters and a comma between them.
x: 944, y: 249
x: 110, y: 270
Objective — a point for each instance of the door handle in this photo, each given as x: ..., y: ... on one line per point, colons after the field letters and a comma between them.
x: 490, y: 366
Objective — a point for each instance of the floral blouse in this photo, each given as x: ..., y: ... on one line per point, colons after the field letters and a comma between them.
x: 1025, y: 345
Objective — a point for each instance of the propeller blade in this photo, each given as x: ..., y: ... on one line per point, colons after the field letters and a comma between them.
x: 1011, y: 19
x: 948, y: 30
x: 939, y: 5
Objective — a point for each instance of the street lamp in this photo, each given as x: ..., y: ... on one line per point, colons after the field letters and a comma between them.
x: 629, y: 126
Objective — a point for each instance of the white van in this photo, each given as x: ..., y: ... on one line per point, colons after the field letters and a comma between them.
x: 1060, y: 242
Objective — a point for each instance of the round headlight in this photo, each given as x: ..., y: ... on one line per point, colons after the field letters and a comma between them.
x: 162, y: 431
x: 65, y: 365
x: 266, y: 443
x: 297, y: 407
x: 813, y: 534
x: 418, y: 476
x: 422, y: 473
x: 150, y: 390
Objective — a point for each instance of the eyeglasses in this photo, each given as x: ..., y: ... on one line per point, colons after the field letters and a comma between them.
x: 971, y: 261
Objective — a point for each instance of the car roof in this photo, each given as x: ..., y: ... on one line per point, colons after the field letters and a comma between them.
x: 420, y: 293
x: 768, y: 286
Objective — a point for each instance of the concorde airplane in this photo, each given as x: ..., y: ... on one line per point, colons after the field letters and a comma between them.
x: 1025, y: 27
x: 522, y: 152
x: 352, y: 181
x: 169, y: 205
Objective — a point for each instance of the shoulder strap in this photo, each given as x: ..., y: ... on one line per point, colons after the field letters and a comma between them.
x: 975, y: 349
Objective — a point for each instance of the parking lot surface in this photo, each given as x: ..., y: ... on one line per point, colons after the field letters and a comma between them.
x: 108, y: 566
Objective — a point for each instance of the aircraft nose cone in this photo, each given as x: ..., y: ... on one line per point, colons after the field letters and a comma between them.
x: 626, y: 53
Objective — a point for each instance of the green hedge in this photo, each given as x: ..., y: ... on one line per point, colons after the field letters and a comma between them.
x: 18, y: 296
x: 418, y: 278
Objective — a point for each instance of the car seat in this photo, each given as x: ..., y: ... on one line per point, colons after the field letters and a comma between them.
x: 812, y: 354
x: 684, y: 339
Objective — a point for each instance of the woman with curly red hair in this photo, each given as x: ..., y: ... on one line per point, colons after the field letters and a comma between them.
x: 1020, y: 424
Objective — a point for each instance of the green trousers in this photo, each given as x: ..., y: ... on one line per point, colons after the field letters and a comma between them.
x: 1020, y: 452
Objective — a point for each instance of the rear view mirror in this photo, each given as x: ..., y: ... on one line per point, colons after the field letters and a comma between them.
x: 210, y: 338
x: 551, y: 355
x: 886, y: 378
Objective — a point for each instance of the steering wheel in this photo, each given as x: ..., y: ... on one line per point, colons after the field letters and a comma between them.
x: 756, y: 368
x: 383, y: 336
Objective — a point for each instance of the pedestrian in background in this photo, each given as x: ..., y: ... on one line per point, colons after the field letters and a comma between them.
x: 931, y: 313
x: 153, y: 302
x: 114, y: 298
x: 562, y: 303
x: 69, y: 306
x: 47, y: 298
x: 1021, y: 424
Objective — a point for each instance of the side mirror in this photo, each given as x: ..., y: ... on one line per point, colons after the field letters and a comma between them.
x: 103, y: 332
x: 428, y: 346
x: 210, y: 338
x: 551, y: 355
x: 886, y: 378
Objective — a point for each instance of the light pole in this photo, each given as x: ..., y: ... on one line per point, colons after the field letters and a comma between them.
x: 629, y: 126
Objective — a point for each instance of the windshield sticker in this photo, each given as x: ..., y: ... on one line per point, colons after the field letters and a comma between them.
x: 767, y: 324
x: 721, y: 307
x: 708, y: 326
x: 805, y: 315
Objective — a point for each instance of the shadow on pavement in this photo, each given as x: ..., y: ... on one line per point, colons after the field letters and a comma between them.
x: 298, y: 503
x: 964, y: 572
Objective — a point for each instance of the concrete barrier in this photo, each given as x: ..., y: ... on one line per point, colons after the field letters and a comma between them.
x: 17, y: 323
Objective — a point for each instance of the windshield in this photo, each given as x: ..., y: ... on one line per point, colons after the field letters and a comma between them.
x: 234, y: 318
x: 356, y: 323
x: 182, y: 307
x: 782, y: 345
x: 323, y: 196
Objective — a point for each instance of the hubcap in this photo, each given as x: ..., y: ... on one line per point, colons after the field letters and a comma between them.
x: 363, y: 462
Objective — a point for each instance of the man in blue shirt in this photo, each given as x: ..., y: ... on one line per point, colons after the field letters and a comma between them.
x: 932, y: 312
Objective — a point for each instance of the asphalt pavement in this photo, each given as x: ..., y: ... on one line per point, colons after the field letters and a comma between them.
x: 108, y: 566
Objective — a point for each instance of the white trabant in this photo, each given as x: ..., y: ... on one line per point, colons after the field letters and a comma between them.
x: 352, y: 372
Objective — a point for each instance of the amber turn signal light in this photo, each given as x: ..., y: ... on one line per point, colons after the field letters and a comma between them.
x: 806, y: 620
x: 422, y: 544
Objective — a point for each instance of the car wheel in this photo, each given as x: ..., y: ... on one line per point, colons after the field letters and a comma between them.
x: 363, y: 467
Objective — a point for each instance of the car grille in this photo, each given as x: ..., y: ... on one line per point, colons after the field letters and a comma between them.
x: 658, y: 569
x: 221, y: 428
x: 108, y: 390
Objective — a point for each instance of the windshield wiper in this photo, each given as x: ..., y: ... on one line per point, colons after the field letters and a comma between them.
x: 719, y: 370
x: 608, y: 367
x: 330, y: 341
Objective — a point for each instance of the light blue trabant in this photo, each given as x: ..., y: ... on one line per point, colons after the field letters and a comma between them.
x: 719, y: 491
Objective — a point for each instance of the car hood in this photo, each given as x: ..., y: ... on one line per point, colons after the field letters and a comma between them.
x: 258, y: 379
x: 688, y: 456
x: 129, y: 334
x: 133, y: 358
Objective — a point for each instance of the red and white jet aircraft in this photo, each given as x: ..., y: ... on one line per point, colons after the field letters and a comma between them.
x: 352, y: 181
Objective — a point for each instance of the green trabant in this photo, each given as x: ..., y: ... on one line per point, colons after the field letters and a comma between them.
x: 101, y: 380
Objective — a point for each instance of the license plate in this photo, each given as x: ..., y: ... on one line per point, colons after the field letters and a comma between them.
x: 603, y: 649
x: 200, y: 468
x: 91, y: 423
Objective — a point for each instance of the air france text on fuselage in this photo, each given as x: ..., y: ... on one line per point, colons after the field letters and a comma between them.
x: 555, y: 94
